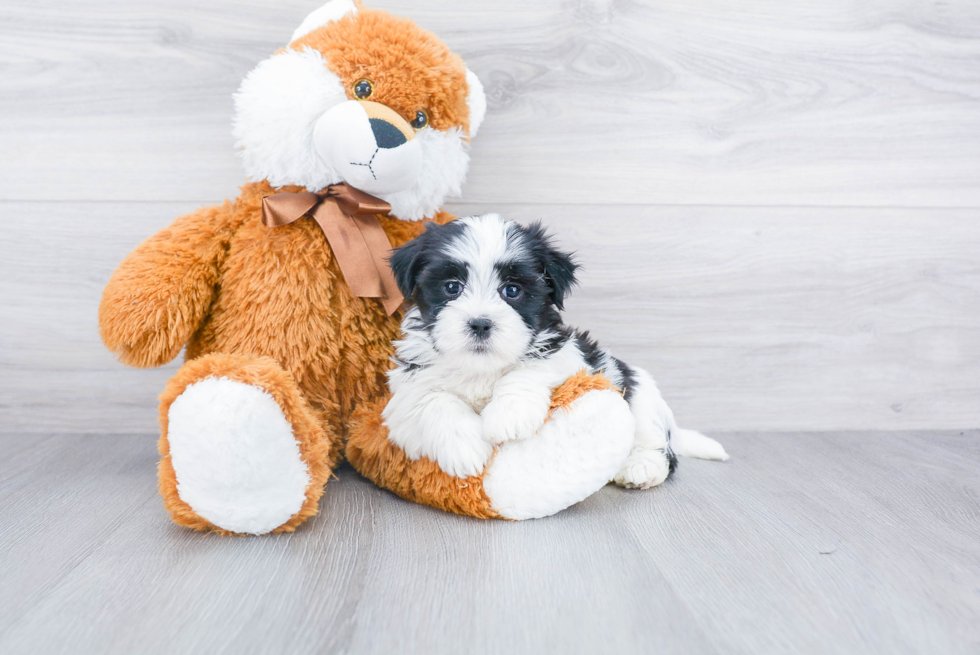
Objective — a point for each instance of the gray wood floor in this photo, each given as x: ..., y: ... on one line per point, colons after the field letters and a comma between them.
x: 804, y: 543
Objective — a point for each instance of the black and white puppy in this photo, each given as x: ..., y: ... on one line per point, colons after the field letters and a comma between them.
x: 484, y: 346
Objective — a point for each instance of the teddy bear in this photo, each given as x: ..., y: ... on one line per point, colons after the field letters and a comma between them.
x: 352, y: 136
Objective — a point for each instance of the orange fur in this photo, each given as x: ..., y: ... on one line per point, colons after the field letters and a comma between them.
x: 410, y: 68
x: 282, y: 295
x: 224, y: 283
x: 161, y: 291
x: 421, y: 480
x: 577, y: 386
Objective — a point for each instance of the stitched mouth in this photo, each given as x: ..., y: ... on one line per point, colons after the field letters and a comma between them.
x: 368, y: 164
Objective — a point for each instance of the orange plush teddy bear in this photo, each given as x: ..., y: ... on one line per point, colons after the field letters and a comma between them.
x: 351, y: 136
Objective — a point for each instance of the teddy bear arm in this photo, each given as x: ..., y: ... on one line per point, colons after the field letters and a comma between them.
x: 158, y: 296
x: 585, y: 440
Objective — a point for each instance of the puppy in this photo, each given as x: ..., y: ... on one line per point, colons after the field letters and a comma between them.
x: 484, y: 346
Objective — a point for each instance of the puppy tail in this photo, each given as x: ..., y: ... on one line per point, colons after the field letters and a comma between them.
x: 690, y: 443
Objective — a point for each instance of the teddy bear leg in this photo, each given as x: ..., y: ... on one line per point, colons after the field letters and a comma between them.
x: 577, y: 451
x: 241, y: 450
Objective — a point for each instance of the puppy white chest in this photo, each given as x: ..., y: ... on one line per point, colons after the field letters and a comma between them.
x: 474, y: 390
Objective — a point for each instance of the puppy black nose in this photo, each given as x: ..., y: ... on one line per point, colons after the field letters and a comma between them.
x: 385, y: 134
x: 481, y: 327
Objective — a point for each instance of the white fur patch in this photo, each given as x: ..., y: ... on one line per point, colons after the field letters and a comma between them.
x: 328, y: 13
x: 237, y: 462
x: 690, y: 443
x: 439, y: 426
x: 277, y: 108
x: 654, y: 420
x: 522, y: 397
x: 574, y: 455
x: 346, y: 143
x: 513, y: 415
x: 645, y: 468
x: 482, y: 244
x: 476, y: 100
x: 445, y: 160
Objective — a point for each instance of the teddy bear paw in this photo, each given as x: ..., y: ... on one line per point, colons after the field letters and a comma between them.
x: 236, y: 460
x: 569, y: 458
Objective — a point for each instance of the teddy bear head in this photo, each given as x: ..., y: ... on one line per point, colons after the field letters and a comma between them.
x: 362, y: 97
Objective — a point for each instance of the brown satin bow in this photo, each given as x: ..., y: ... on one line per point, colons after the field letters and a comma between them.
x: 348, y: 218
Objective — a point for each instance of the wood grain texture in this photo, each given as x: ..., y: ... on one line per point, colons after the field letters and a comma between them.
x: 803, y: 543
x: 749, y: 318
x: 116, y: 119
x: 675, y: 102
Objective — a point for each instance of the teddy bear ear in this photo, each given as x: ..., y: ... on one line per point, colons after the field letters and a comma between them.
x: 334, y: 10
x: 476, y: 99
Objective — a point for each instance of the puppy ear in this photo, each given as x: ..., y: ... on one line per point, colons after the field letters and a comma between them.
x: 406, y: 262
x: 560, y: 273
x: 559, y: 267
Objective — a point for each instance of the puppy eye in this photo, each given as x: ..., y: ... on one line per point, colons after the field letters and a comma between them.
x: 363, y: 89
x: 511, y: 291
x: 421, y: 120
x: 453, y: 288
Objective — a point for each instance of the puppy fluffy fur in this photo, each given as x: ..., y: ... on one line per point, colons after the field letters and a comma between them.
x: 484, y: 347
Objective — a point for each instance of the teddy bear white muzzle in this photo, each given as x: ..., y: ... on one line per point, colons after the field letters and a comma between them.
x: 370, y: 145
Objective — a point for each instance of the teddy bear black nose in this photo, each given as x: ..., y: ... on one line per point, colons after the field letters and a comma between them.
x: 481, y: 327
x: 385, y: 134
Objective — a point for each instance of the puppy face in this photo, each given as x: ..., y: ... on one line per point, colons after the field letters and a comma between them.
x: 363, y: 97
x: 488, y: 291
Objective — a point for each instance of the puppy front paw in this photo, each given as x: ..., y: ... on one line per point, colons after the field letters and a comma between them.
x: 511, y: 417
x: 462, y: 450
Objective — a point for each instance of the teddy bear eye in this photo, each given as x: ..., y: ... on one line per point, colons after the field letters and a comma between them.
x: 421, y: 120
x: 363, y: 89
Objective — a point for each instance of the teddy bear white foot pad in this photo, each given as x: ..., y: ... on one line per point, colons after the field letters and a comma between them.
x: 236, y: 459
x: 572, y: 456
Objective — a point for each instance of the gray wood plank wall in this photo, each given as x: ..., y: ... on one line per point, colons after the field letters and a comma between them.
x: 777, y: 204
